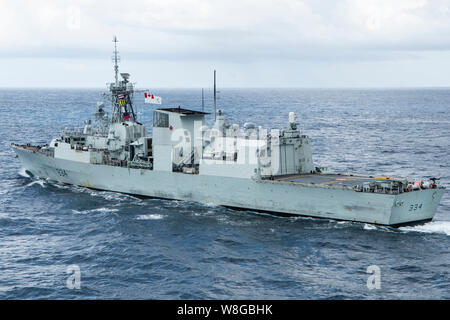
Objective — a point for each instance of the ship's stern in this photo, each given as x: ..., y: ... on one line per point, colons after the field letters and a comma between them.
x: 415, y: 207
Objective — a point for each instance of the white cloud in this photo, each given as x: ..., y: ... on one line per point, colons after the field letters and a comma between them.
x: 313, y: 37
x: 225, y: 29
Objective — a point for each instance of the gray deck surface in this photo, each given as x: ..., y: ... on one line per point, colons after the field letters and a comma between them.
x: 332, y: 179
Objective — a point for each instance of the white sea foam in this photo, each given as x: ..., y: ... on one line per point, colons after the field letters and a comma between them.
x: 104, y: 210
x: 369, y: 227
x: 95, y: 210
x: 150, y: 217
x: 209, y: 204
x: 110, y: 195
x: 431, y: 227
x: 39, y: 182
x: 61, y: 186
x: 22, y: 172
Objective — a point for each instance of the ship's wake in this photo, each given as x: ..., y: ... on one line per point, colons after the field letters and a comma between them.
x: 442, y: 227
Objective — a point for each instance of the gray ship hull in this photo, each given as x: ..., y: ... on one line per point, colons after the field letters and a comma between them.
x: 276, y: 197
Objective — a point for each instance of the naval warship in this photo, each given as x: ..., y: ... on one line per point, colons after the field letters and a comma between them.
x: 246, y: 168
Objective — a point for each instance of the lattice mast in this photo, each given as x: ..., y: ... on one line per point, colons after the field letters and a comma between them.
x: 116, y: 60
x: 121, y: 92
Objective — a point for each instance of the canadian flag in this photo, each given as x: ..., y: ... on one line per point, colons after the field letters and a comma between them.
x: 150, y: 98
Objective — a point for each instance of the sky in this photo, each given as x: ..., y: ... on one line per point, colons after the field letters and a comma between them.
x: 251, y: 43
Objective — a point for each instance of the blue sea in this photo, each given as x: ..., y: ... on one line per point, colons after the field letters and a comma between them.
x: 131, y: 248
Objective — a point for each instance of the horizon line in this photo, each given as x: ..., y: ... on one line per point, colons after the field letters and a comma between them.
x: 229, y: 87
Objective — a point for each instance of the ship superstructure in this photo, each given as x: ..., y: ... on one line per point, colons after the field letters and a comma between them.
x: 246, y: 168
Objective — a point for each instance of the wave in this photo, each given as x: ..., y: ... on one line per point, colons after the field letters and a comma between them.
x: 370, y: 227
x: 209, y: 204
x: 39, y: 182
x: 95, y: 210
x: 107, y: 195
x: 23, y: 172
x: 111, y: 195
x: 442, y: 227
x: 153, y: 216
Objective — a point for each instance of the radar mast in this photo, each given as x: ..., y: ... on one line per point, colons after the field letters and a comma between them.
x: 121, y: 97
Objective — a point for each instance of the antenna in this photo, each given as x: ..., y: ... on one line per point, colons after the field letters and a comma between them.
x: 203, y: 101
x: 215, y: 94
x: 125, y: 76
x: 116, y: 60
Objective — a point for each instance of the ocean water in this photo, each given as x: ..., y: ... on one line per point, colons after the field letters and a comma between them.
x: 130, y: 248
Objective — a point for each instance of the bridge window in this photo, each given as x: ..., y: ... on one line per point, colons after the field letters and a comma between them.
x: 160, y: 120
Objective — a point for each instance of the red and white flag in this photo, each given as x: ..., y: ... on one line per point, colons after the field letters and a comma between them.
x: 150, y: 98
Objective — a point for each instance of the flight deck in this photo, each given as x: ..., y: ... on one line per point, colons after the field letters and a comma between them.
x: 337, y: 180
